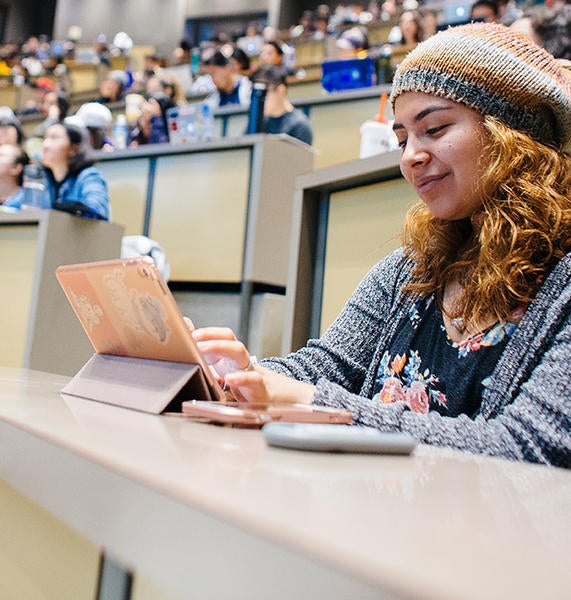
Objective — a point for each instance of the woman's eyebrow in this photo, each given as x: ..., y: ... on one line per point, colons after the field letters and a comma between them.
x: 422, y: 114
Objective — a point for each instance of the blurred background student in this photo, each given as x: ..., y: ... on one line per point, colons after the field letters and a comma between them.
x: 13, y: 159
x: 152, y: 127
x: 353, y: 43
x: 11, y: 131
x: 280, y: 116
x: 97, y: 119
x: 164, y: 81
x: 221, y: 81
x: 71, y: 182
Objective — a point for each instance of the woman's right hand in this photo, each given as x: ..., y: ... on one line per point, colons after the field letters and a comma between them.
x: 246, y: 381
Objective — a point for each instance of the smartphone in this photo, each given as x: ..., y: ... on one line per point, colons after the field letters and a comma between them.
x: 337, y: 438
x: 245, y: 414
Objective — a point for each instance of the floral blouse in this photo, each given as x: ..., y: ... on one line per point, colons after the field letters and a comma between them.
x: 427, y: 370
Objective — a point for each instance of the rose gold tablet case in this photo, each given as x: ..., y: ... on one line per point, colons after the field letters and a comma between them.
x: 145, y: 353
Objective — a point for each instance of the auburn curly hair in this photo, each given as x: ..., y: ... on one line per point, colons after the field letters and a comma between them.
x: 500, y: 255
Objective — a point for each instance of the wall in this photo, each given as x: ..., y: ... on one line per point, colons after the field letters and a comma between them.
x: 200, y: 8
x: 28, y: 17
x: 148, y: 22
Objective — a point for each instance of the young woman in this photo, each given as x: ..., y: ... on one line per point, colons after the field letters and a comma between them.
x: 152, y: 126
x: 462, y: 337
x: 72, y: 183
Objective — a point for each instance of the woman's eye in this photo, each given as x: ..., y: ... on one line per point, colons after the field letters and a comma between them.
x: 402, y: 144
x: 435, y: 130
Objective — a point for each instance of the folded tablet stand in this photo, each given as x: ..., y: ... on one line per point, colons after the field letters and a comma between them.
x: 138, y: 383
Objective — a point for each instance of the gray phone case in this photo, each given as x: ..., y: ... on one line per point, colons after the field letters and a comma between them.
x: 337, y: 438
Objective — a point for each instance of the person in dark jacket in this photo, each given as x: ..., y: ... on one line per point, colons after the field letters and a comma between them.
x: 280, y: 116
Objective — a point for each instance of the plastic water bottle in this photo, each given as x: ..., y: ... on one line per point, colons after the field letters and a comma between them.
x: 256, y: 113
x: 384, y: 65
x: 34, y: 185
x: 206, y: 126
x: 195, y: 62
x: 120, y: 132
x: 376, y: 137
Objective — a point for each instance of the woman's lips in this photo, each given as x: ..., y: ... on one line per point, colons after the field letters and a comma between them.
x: 423, y: 184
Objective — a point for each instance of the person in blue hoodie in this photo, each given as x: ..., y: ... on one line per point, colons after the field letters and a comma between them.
x: 72, y: 183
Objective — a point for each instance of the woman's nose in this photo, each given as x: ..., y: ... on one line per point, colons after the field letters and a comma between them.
x: 414, y: 153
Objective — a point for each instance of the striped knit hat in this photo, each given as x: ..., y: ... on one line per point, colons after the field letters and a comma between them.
x: 495, y: 71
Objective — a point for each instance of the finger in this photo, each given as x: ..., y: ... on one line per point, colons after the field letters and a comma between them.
x: 225, y: 356
x: 214, y: 333
x: 189, y: 324
x: 217, y: 377
x: 247, y: 386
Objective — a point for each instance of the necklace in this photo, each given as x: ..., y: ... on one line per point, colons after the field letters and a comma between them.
x: 458, y: 323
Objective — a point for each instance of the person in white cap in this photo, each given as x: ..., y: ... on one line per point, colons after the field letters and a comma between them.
x: 97, y: 118
x: 353, y: 43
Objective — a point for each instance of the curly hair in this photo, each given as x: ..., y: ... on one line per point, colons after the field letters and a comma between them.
x: 501, y: 254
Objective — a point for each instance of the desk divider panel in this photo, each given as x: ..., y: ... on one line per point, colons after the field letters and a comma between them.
x: 237, y: 125
x: 39, y: 320
x: 40, y: 556
x: 18, y: 251
x: 127, y: 181
x: 364, y: 226
x: 199, y: 213
x: 346, y: 217
x: 221, y: 210
x: 336, y: 129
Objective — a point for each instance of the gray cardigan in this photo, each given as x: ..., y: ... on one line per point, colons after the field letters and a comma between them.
x: 526, y: 407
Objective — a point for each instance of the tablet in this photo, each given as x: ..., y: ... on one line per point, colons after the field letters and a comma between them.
x: 337, y: 438
x: 126, y: 309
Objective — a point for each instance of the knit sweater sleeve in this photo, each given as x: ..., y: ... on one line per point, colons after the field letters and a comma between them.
x: 535, y: 427
x: 344, y: 353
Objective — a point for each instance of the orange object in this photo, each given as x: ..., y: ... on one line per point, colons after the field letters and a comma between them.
x: 381, y: 116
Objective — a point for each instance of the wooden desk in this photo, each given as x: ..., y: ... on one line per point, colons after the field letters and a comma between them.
x: 335, y: 119
x: 199, y: 511
x: 85, y: 76
x: 38, y: 327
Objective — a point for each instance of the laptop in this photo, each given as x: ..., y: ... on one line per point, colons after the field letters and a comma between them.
x: 347, y: 74
x: 189, y: 123
x: 455, y: 13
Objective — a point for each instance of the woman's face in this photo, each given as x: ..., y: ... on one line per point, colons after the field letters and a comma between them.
x: 409, y: 27
x: 442, y: 153
x: 49, y: 100
x: 56, y: 148
x: 269, y: 55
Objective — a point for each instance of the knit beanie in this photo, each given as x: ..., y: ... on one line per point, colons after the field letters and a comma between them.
x: 495, y: 71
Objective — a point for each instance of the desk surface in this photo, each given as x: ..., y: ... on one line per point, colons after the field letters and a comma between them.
x: 439, y: 524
